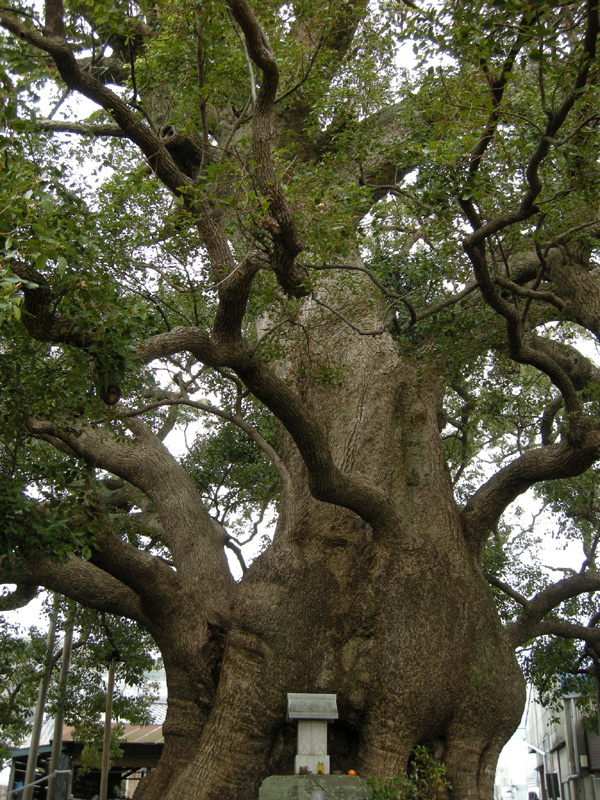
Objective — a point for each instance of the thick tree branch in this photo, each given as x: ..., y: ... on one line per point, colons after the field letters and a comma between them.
x: 81, y: 581
x: 234, y: 291
x: 282, y: 225
x: 82, y: 128
x: 148, y: 465
x: 562, y: 460
x: 148, y: 576
x: 531, y: 622
x: 566, y: 630
x: 19, y: 597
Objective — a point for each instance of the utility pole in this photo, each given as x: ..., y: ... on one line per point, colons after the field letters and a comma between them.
x: 597, y: 684
x: 107, y: 728
x: 58, y: 721
x: 39, y: 707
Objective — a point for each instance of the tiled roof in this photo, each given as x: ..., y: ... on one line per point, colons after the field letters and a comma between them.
x: 146, y: 734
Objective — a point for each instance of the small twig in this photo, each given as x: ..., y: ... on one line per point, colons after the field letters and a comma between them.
x: 200, y: 57
x: 268, y: 333
x: 508, y: 590
x: 238, y: 554
x: 564, y: 236
x: 531, y: 294
x: 311, y: 63
x: 57, y: 105
x: 259, y: 440
x: 242, y: 118
x: 359, y: 330
x: 248, y: 59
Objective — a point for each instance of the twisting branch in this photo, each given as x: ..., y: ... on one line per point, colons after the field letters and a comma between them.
x: 531, y: 622
x: 475, y: 243
x: 255, y: 527
x: 234, y: 419
x: 282, y: 223
x: 561, y: 460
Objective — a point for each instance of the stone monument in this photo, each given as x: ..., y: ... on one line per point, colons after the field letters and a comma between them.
x: 313, y: 712
x: 312, y: 780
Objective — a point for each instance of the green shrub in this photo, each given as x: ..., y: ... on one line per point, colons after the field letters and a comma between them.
x: 425, y: 780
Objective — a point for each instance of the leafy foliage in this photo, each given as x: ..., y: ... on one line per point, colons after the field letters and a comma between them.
x: 20, y: 659
x: 235, y: 479
x: 425, y: 780
x: 83, y: 700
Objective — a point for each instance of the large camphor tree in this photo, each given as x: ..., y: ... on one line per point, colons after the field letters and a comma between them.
x: 361, y: 291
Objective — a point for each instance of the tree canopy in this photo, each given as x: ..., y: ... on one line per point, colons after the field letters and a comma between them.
x: 328, y: 268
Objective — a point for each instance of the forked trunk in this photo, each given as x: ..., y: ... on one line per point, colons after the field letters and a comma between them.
x: 398, y: 623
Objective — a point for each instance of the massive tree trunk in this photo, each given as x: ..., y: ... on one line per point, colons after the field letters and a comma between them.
x: 408, y: 639
x: 398, y: 621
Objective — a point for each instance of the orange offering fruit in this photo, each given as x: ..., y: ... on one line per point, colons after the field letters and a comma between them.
x: 351, y: 772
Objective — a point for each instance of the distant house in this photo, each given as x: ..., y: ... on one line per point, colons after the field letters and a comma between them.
x: 142, y: 747
x: 568, y: 757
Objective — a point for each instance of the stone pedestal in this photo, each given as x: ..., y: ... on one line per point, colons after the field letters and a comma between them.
x: 307, y: 787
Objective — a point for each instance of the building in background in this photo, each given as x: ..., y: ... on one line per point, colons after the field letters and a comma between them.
x: 568, y: 756
x: 141, y: 746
